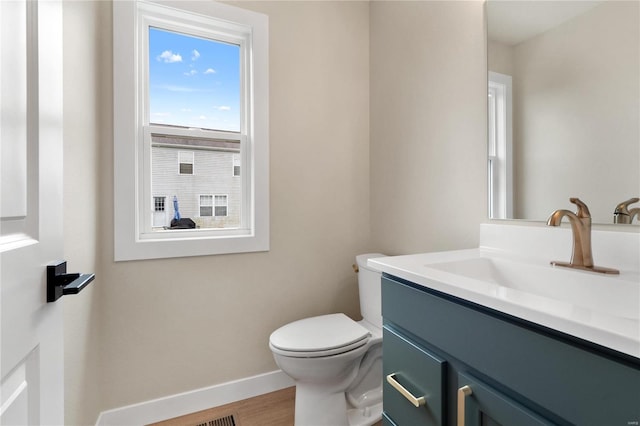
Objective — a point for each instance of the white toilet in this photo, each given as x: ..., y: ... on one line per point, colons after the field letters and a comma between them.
x: 336, y: 362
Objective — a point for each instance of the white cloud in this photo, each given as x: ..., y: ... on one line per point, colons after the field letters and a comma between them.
x: 185, y: 89
x: 169, y: 57
x: 195, y: 55
x: 210, y: 71
x: 202, y: 117
x: 224, y: 108
x: 190, y: 73
x: 172, y: 88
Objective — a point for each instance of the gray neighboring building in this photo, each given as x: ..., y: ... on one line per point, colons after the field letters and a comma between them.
x: 204, y: 175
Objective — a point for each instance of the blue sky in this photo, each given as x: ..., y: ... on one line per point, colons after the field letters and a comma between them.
x: 193, y: 81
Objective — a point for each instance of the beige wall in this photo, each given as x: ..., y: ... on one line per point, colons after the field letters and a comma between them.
x: 148, y: 329
x: 428, y: 125
x: 87, y: 131
x: 500, y: 57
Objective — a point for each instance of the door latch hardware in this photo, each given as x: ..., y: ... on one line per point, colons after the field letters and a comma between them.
x: 59, y: 282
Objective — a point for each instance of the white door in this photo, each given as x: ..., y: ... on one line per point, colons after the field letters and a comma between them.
x: 159, y: 212
x: 31, y: 346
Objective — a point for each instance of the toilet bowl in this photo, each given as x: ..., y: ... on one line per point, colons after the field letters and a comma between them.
x: 335, y: 361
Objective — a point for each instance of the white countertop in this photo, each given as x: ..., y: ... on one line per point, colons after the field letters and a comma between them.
x: 606, y: 312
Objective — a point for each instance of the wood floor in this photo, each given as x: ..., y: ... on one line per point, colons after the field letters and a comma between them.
x: 271, y: 409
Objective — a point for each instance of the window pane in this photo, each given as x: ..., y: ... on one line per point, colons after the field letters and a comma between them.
x: 158, y: 204
x: 221, y: 205
x: 193, y: 81
x: 194, y: 192
x: 186, y: 169
x: 206, y: 203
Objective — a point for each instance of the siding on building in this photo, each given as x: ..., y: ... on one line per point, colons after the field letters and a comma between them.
x: 212, y: 175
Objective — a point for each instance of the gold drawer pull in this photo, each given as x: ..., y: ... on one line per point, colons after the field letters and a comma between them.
x: 404, y: 392
x: 463, y: 392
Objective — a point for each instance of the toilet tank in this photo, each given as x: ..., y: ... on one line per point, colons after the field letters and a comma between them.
x: 370, y: 289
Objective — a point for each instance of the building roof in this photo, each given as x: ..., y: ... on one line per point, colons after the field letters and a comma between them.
x: 173, y: 141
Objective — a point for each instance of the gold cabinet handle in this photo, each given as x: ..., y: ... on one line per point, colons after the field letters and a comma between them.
x: 404, y: 392
x: 463, y: 392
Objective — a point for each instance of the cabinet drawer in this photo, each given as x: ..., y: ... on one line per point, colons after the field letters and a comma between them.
x: 480, y: 404
x: 416, y: 374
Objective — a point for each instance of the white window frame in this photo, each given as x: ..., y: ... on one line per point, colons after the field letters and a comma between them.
x: 225, y: 205
x: 200, y: 205
x: 236, y: 163
x: 500, y: 146
x: 133, y: 234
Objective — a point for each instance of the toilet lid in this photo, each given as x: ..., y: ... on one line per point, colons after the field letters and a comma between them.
x: 319, y: 334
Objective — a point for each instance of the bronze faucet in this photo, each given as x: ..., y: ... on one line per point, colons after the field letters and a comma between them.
x: 581, y: 258
x: 622, y: 214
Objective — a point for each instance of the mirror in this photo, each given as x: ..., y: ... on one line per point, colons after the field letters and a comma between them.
x: 564, y: 106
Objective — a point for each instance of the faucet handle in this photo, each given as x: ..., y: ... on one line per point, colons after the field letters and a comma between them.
x: 623, y: 207
x: 583, y: 210
x: 622, y: 214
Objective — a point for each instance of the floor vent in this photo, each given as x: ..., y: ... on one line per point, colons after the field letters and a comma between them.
x: 221, y: 421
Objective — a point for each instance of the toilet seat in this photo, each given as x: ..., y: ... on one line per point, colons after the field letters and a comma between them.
x: 320, y: 336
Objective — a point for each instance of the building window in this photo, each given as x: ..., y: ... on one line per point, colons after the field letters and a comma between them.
x: 236, y: 165
x: 190, y: 82
x: 206, y: 205
x: 221, y: 205
x: 158, y: 204
x: 208, y: 208
x: 185, y: 163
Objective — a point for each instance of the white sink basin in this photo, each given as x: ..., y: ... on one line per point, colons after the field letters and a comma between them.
x: 601, y: 308
x: 609, y: 294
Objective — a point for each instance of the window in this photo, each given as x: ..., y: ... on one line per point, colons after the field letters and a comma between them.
x: 208, y: 208
x: 499, y: 156
x: 221, y: 205
x: 185, y: 163
x: 158, y: 203
x: 206, y: 205
x: 190, y: 88
x: 236, y: 166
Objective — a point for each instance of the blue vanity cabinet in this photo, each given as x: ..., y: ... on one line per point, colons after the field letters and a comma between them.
x: 518, y: 373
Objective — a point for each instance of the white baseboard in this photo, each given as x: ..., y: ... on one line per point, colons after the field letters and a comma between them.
x: 197, y: 400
